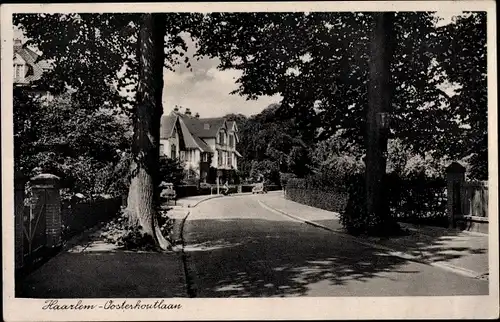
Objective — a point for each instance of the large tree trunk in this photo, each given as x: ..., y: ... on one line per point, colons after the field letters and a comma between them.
x: 143, y: 191
x: 379, y: 101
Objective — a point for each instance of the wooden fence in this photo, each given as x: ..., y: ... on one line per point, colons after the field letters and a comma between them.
x: 474, y: 199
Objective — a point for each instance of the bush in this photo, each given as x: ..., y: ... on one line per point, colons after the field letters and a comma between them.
x: 120, y: 233
x: 355, y: 218
x: 170, y: 170
x: 418, y: 199
x: 348, y: 197
x: 186, y: 191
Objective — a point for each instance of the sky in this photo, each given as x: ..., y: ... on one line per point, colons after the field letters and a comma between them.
x: 206, y: 90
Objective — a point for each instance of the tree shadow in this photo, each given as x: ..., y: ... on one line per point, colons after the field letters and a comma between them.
x: 263, y: 258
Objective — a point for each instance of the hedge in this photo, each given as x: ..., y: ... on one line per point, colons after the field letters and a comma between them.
x: 78, y: 216
x: 312, y: 193
x: 417, y: 199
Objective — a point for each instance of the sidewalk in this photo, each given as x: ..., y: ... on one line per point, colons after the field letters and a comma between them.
x: 89, y: 267
x: 463, y: 252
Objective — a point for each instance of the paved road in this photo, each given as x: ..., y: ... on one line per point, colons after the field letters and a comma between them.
x: 237, y: 248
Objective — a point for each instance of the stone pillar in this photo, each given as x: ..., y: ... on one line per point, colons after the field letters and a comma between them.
x: 455, y: 177
x: 19, y: 195
x: 45, y: 188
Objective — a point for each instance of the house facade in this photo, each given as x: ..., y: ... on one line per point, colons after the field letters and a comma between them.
x: 207, y: 146
x: 28, y: 65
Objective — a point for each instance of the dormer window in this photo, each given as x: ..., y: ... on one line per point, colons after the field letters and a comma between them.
x: 231, y: 141
x: 222, y: 138
x: 18, y: 71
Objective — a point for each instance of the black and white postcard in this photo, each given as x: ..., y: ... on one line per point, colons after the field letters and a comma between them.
x: 253, y: 160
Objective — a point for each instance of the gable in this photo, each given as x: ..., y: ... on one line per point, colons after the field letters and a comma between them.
x: 18, y: 59
x: 167, y: 126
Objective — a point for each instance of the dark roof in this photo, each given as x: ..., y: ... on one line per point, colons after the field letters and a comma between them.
x: 202, y: 144
x: 32, y: 59
x: 198, y: 126
x: 190, y: 140
x: 193, y: 129
x: 167, y: 125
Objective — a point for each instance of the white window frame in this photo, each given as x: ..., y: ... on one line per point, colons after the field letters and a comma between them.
x: 173, y: 151
x: 19, y: 71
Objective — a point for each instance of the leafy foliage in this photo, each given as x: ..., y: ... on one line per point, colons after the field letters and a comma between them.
x: 318, y: 63
x: 83, y: 147
x: 270, y: 144
x: 171, y: 170
x: 462, y: 56
x: 102, y: 45
x: 119, y: 232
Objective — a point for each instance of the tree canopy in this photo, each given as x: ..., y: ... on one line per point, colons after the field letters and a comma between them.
x: 318, y: 63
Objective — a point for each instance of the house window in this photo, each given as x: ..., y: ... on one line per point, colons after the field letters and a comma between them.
x: 222, y: 138
x: 18, y: 71
x: 231, y: 141
x: 204, y: 157
x: 219, y: 158
x: 206, y: 126
x: 162, y: 149
x: 173, y: 151
x: 229, y: 160
x: 183, y: 155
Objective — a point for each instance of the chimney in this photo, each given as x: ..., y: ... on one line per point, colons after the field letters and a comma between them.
x: 188, y: 111
x: 197, y: 115
x: 17, y: 44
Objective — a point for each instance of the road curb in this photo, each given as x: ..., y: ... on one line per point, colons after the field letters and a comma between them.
x: 217, y: 196
x: 203, y: 200
x: 190, y: 284
x: 393, y: 252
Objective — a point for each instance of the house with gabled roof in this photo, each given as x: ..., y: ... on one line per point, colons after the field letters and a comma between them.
x: 28, y: 65
x: 207, y: 146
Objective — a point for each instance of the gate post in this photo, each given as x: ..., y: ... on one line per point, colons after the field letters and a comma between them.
x: 455, y: 177
x: 48, y: 184
x: 19, y: 195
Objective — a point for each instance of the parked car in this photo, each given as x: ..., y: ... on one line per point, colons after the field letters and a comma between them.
x: 259, y: 188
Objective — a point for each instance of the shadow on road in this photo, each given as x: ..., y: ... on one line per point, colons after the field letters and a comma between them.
x: 109, y: 274
x: 261, y: 258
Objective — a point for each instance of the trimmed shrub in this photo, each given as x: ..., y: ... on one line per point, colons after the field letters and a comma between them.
x: 418, y: 199
x: 186, y: 191
x: 356, y: 220
x: 313, y: 191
